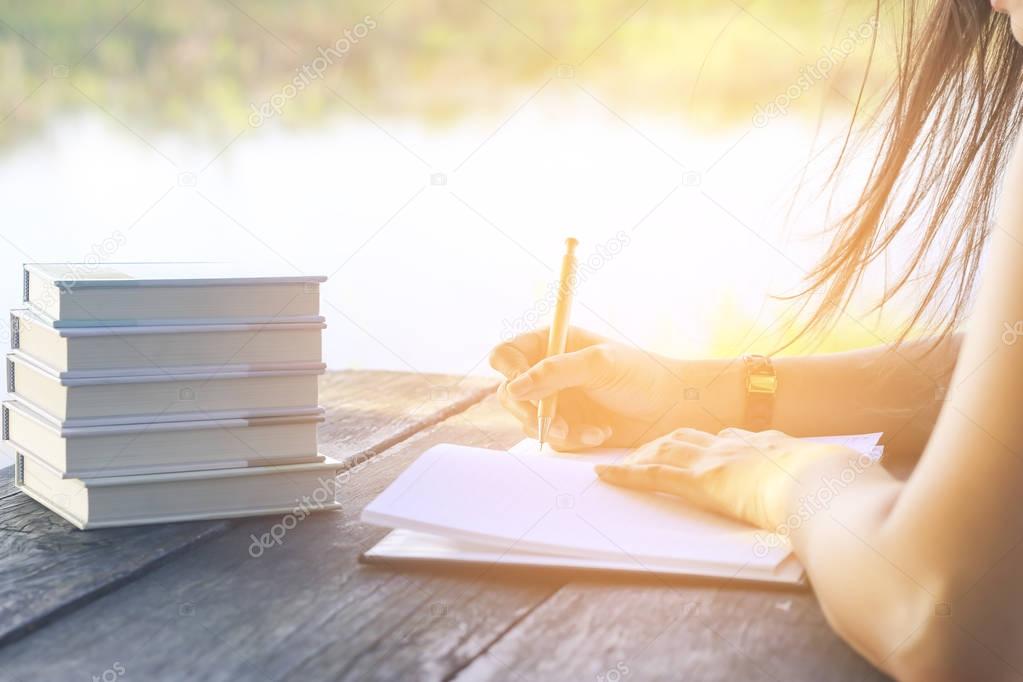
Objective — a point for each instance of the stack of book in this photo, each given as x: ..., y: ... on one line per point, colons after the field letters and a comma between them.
x: 148, y: 392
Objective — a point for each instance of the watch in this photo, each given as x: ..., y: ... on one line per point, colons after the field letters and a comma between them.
x: 761, y: 385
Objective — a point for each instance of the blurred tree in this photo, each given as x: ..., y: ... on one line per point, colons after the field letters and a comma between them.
x: 200, y: 65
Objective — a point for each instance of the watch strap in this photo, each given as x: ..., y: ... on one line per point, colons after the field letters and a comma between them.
x: 761, y: 385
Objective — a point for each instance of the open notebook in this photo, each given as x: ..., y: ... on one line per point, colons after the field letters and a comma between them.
x: 539, y: 509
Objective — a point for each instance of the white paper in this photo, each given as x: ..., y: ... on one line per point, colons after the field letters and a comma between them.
x: 409, y: 545
x: 523, y: 500
x: 865, y: 443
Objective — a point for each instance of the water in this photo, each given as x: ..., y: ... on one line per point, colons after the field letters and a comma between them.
x: 439, y: 242
x: 427, y: 269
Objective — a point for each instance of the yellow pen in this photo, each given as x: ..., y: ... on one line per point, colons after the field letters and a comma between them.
x: 558, y: 337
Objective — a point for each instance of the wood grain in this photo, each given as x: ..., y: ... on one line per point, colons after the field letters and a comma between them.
x: 596, y: 631
x: 304, y: 610
x: 308, y: 610
x: 48, y: 568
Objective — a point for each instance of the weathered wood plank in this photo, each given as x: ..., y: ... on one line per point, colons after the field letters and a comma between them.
x: 303, y: 610
x: 48, y: 568
x: 657, y: 631
x: 370, y: 411
x: 308, y: 610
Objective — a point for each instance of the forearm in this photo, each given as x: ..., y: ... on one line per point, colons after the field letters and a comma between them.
x: 837, y: 524
x: 897, y: 391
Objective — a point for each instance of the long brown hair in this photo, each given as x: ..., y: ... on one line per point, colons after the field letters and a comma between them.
x: 951, y: 116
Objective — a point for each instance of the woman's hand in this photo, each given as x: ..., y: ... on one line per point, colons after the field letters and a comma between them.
x: 753, y: 477
x: 609, y: 394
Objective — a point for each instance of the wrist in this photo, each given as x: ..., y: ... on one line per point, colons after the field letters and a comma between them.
x: 712, y: 394
x: 815, y: 475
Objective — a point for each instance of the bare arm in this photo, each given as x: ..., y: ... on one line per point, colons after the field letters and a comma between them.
x: 617, y: 395
x: 899, y: 391
x: 922, y: 577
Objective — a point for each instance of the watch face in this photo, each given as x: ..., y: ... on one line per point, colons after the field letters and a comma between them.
x: 760, y: 376
x: 762, y: 383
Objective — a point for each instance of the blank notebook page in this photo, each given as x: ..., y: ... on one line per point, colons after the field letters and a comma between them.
x: 551, y: 504
x: 522, y: 500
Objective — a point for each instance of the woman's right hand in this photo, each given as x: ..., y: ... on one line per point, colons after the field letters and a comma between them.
x: 608, y: 394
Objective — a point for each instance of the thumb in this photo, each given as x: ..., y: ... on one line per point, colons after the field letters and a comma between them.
x: 587, y: 368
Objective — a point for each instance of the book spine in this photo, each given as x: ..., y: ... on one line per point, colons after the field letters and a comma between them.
x: 15, y: 332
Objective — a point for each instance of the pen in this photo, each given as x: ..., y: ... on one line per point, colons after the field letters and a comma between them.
x: 558, y: 336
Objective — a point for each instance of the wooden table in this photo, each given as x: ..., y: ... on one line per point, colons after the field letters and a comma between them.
x: 188, y: 602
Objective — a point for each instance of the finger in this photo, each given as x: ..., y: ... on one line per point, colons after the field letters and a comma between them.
x: 516, y: 356
x: 694, y: 436
x: 595, y: 436
x: 649, y: 477
x: 565, y: 438
x: 587, y: 368
x: 733, y: 432
x: 667, y: 451
x: 523, y: 411
x: 588, y: 436
x: 509, y: 360
x: 559, y: 430
x: 560, y: 436
x: 662, y: 479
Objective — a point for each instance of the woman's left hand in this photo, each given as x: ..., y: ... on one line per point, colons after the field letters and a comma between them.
x: 741, y: 474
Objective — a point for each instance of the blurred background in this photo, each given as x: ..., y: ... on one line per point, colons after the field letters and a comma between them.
x: 430, y: 157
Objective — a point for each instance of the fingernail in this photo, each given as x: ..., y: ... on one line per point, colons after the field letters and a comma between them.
x: 600, y: 469
x: 558, y: 430
x: 592, y: 436
x: 520, y: 385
